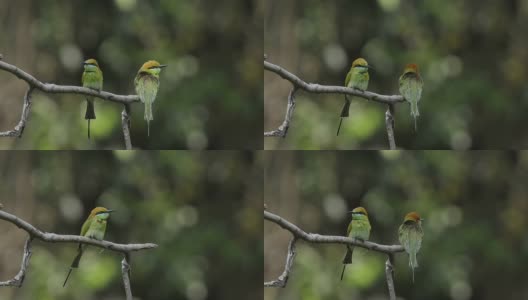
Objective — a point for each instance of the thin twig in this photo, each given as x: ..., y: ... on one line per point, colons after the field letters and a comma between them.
x: 59, y: 238
x: 389, y: 273
x: 389, y: 124
x: 282, y: 280
x: 125, y: 271
x: 125, y: 124
x: 19, y: 278
x: 24, y: 116
x: 283, y: 128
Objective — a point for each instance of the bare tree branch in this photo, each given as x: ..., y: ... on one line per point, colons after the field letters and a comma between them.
x: 59, y: 238
x: 389, y: 273
x: 19, y: 128
x: 57, y: 89
x: 125, y: 124
x: 282, y: 280
x: 19, y: 278
x: 65, y: 89
x: 283, y: 129
x: 329, y: 239
x: 298, y: 83
x: 298, y: 233
x: 329, y: 89
x: 389, y: 123
x: 125, y: 271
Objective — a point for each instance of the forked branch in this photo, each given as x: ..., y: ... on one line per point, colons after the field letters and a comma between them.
x: 298, y: 233
x: 34, y: 83
x: 35, y: 233
x: 315, y: 88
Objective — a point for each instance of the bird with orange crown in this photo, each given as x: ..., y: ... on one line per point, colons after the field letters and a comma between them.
x: 411, y: 85
x: 410, y: 236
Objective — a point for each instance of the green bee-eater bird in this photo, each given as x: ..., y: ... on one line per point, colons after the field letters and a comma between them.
x: 358, y: 228
x: 357, y: 78
x: 92, y: 78
x: 411, y: 85
x: 94, y: 227
x: 410, y: 235
x: 147, y: 84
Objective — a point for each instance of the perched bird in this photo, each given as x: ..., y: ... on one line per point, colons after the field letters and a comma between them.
x: 92, y: 78
x: 94, y: 227
x: 358, y: 228
x: 410, y: 235
x: 357, y: 78
x: 147, y: 84
x: 411, y: 85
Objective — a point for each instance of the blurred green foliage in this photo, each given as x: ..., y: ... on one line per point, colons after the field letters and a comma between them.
x: 202, y: 209
x: 210, y: 95
x: 472, y: 55
x: 474, y: 205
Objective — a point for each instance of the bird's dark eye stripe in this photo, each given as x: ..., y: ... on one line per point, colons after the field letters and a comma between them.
x: 153, y: 67
x: 359, y: 213
x: 101, y: 212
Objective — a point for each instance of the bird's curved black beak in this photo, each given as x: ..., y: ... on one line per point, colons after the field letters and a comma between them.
x: 110, y: 211
x: 162, y: 66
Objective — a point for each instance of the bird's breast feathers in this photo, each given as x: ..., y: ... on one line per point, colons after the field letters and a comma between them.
x: 359, y: 229
x: 359, y: 80
x: 92, y: 80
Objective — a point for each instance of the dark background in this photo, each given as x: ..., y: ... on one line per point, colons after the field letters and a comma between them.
x: 202, y: 209
x: 472, y: 55
x: 474, y: 206
x: 210, y: 94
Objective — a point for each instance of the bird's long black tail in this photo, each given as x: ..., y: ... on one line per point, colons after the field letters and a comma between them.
x: 344, y: 113
x: 343, y: 272
x: 347, y: 259
x: 90, y: 113
x: 75, y: 263
x: 90, y: 110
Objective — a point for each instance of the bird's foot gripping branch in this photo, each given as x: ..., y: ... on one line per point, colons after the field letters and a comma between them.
x: 299, y: 84
x: 299, y: 234
x: 34, y: 83
x: 34, y: 233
